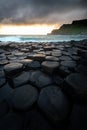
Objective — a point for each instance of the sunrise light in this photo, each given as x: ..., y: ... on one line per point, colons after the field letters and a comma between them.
x: 26, y: 29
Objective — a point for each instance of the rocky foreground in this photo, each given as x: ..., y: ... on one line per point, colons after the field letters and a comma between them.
x: 43, y: 86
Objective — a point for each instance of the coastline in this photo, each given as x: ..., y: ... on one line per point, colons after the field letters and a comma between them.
x: 46, y: 80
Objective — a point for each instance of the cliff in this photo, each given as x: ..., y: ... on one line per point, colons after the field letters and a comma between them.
x: 76, y: 27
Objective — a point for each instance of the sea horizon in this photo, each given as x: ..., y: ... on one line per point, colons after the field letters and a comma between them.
x: 41, y: 38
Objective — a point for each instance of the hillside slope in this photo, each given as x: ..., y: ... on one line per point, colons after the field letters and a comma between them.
x: 76, y: 27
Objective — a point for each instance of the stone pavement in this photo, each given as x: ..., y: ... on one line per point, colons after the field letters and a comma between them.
x: 43, y: 86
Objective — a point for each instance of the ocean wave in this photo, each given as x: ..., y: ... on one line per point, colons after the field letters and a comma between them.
x: 44, y: 38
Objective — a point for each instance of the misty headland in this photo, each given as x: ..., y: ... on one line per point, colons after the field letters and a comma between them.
x: 77, y: 27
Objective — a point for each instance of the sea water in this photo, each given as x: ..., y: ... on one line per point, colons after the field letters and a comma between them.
x: 41, y: 38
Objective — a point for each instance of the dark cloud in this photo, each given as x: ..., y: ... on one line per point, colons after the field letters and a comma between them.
x: 41, y: 11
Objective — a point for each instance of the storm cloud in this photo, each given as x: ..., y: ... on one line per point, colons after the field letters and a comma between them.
x: 41, y: 11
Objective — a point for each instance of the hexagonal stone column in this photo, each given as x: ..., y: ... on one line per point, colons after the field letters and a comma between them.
x: 24, y: 97
x: 77, y: 85
x: 50, y: 66
x: 54, y: 103
x: 12, y: 69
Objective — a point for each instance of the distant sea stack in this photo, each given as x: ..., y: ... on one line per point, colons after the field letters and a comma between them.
x: 76, y: 27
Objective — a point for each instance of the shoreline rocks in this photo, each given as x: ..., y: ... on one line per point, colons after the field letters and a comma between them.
x: 38, y: 82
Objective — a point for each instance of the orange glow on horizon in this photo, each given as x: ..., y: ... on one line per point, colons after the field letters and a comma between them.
x: 26, y: 29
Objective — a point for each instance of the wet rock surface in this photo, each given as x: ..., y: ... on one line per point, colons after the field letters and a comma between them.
x: 54, y: 103
x: 18, y: 80
x: 50, y: 66
x: 2, y: 78
x: 12, y: 68
x: 24, y: 97
x: 43, y: 86
x: 78, y: 84
x: 39, y: 79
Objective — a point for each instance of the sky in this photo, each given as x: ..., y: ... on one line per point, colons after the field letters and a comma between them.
x: 46, y: 13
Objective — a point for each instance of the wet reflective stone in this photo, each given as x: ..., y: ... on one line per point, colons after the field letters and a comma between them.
x: 5, y: 92
x: 53, y: 103
x: 50, y: 66
x: 3, y: 62
x: 77, y: 82
x: 51, y: 58
x: 34, y: 65
x: 24, y: 97
x: 70, y: 64
x: 11, y: 57
x: 19, y: 80
x: 13, y: 68
x: 48, y: 48
x: 19, y: 54
x: 48, y: 53
x: 26, y: 62
x: 39, y: 57
x: 75, y: 58
x: 65, y: 58
x: 2, y: 78
x: 39, y: 79
x: 56, y: 53
x: 24, y: 50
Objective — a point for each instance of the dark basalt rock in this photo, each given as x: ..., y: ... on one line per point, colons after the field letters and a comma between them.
x: 78, y: 119
x: 36, y: 121
x: 69, y: 64
x: 53, y: 103
x: 2, y: 78
x: 76, y: 58
x: 18, y: 54
x: 30, y: 56
x: 5, y: 92
x: 44, y: 66
x: 4, y: 108
x: 58, y: 80
x: 39, y: 79
x: 51, y: 58
x: 39, y: 57
x: 82, y: 69
x: 19, y: 80
x: 24, y: 50
x: 48, y: 53
x: 34, y: 65
x: 48, y: 48
x: 83, y: 62
x: 26, y: 62
x: 2, y: 57
x: 64, y: 71
x: 11, y: 57
x: 65, y: 58
x: 3, y: 62
x: 23, y: 97
x: 11, y: 122
x: 78, y: 84
x: 66, y: 53
x: 56, y: 53
x: 50, y: 66
x: 12, y: 69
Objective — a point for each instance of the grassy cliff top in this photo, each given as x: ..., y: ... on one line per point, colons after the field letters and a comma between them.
x: 76, y: 27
